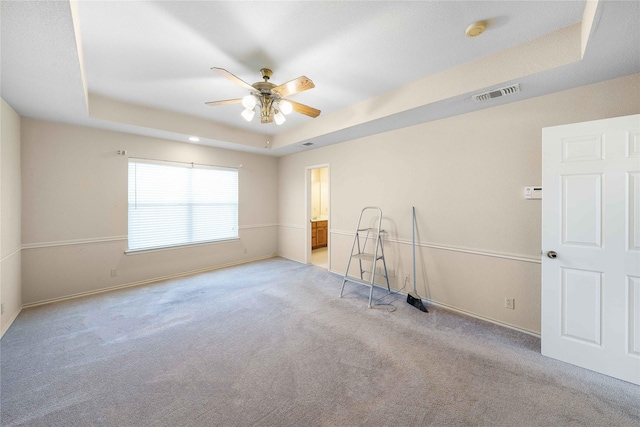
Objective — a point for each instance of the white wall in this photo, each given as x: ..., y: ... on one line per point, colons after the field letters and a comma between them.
x: 479, y: 238
x: 74, y: 222
x: 10, y: 217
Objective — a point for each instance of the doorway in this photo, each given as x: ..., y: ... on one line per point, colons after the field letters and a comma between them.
x: 318, y: 208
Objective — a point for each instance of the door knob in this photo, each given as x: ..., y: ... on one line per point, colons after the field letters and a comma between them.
x: 552, y: 254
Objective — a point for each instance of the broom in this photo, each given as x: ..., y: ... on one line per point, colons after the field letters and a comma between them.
x: 415, y: 299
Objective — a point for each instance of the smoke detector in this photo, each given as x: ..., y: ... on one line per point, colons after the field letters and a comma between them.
x: 497, y: 93
x: 475, y: 29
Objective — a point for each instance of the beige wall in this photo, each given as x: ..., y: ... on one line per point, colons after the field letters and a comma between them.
x: 10, y: 217
x: 479, y: 239
x: 74, y: 223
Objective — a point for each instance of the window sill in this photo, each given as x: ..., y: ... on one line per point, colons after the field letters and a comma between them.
x: 186, y: 245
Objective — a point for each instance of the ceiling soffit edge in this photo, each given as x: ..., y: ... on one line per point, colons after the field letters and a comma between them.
x: 104, y: 108
x: 550, y: 51
x: 73, y: 5
x: 547, y: 52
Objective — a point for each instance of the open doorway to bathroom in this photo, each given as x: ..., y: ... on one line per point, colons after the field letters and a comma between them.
x: 318, y: 215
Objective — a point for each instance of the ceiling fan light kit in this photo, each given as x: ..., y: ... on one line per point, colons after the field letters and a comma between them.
x: 249, y: 102
x: 279, y: 118
x: 248, y: 114
x: 268, y: 97
x: 285, y: 106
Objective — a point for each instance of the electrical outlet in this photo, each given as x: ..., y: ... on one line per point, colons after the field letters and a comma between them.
x: 509, y: 303
x: 114, y: 272
x: 380, y: 272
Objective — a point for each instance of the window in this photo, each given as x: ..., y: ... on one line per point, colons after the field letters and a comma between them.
x: 172, y: 204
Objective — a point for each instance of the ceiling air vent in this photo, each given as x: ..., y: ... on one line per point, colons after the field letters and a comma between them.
x: 497, y: 93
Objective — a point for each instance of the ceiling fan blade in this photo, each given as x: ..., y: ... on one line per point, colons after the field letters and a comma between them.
x: 224, y: 102
x: 304, y: 109
x: 237, y: 80
x: 294, y: 86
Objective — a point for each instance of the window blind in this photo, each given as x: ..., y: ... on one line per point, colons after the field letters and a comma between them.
x: 172, y: 204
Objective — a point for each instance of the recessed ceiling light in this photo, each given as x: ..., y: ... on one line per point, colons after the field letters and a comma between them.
x: 475, y: 29
x: 194, y: 139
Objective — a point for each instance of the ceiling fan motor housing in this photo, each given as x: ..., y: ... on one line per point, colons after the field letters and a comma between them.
x: 264, y: 87
x: 266, y: 73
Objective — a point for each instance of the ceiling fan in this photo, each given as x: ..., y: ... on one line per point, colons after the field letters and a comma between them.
x: 269, y: 98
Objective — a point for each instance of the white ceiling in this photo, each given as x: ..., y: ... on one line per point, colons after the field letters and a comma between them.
x: 144, y: 66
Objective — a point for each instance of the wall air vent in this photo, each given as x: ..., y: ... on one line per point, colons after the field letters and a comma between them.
x: 497, y: 93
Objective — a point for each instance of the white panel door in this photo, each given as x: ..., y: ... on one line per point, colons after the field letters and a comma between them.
x: 591, y: 224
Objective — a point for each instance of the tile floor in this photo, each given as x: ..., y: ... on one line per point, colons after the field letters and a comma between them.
x: 320, y: 257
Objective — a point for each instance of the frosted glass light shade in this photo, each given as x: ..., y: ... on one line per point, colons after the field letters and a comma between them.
x: 279, y: 118
x: 248, y: 114
x: 249, y: 102
x: 285, y: 107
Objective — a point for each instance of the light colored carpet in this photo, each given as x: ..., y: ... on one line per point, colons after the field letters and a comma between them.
x: 270, y: 344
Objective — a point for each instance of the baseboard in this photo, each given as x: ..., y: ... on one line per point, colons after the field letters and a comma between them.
x: 486, y: 319
x: 15, y: 316
x: 145, y: 282
x: 292, y: 259
x: 460, y: 311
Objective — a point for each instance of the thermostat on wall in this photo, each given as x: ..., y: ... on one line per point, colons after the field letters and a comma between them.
x: 533, y: 193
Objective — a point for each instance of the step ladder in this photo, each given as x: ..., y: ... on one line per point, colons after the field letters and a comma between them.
x: 363, y: 236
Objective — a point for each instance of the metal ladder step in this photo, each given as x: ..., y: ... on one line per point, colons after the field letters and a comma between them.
x: 358, y: 281
x: 365, y: 257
